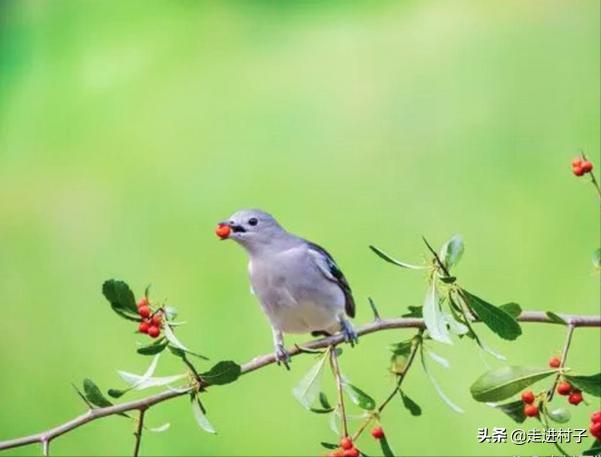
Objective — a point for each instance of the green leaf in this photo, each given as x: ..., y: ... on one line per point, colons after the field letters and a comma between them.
x: 589, y: 384
x: 413, y: 407
x: 448, y: 279
x: 172, y: 339
x: 504, y: 382
x: 222, y: 373
x: 402, y: 348
x: 385, y: 446
x: 116, y: 393
x: 199, y: 414
x: 182, y: 354
x: 498, y: 320
x: 434, y: 318
x: 595, y: 449
x: 560, y: 415
x: 94, y: 395
x: 437, y: 387
x: 329, y: 445
x: 160, y: 428
x: 597, y: 258
x: 120, y: 296
x: 326, y: 407
x: 398, y: 263
x: 514, y: 409
x: 154, y: 348
x: 414, y: 311
x: 451, y: 251
x: 556, y: 318
x: 358, y: 397
x: 82, y: 396
x: 513, y: 309
x: 307, y: 390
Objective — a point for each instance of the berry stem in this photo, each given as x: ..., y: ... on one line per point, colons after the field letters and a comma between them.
x: 338, y: 376
x: 138, y: 433
x: 564, y: 356
x: 593, y: 179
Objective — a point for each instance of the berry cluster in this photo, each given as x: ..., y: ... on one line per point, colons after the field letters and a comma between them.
x: 151, y: 322
x: 530, y: 409
x: 595, y: 427
x: 566, y: 389
x: 348, y: 449
x: 581, y: 166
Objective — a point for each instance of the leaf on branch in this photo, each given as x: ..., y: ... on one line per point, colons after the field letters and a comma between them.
x: 514, y: 409
x: 116, y: 393
x: 359, y: 397
x: 511, y: 308
x: 437, y: 387
x: 385, y: 446
x: 438, y: 359
x: 329, y: 445
x: 451, y: 251
x: 94, y: 395
x: 398, y: 263
x: 307, y: 390
x: 433, y: 317
x: 160, y: 428
x: 413, y: 407
x: 595, y: 449
x: 82, y: 396
x: 121, y: 298
x: 199, y: 414
x: 414, y: 311
x: 326, y: 407
x: 182, y: 354
x: 504, y: 382
x: 556, y: 318
x: 589, y: 384
x: 222, y: 373
x: 400, y: 356
x: 154, y: 348
x: 172, y: 339
x: 498, y: 320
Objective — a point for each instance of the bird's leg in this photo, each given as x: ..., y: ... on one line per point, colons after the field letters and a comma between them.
x: 350, y: 336
x: 281, y: 355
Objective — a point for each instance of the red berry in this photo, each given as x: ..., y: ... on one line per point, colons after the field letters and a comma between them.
x: 578, y: 171
x: 154, y: 331
x: 564, y: 388
x: 346, y: 443
x: 223, y: 231
x: 586, y: 166
x: 144, y: 311
x: 531, y: 410
x: 377, y: 433
x: 143, y: 327
x: 596, y: 417
x: 576, y: 162
x: 528, y: 396
x: 575, y: 398
x: 595, y: 429
x: 336, y: 453
x: 352, y: 452
x: 554, y: 362
x: 143, y: 302
x: 157, y: 319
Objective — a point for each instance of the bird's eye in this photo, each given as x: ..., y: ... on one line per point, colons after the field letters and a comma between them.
x: 253, y: 221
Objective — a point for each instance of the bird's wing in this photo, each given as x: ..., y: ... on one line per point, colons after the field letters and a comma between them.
x: 331, y: 271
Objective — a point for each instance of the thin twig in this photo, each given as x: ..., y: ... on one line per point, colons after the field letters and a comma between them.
x: 257, y: 363
x: 46, y: 448
x: 564, y: 356
x: 593, y: 179
x: 338, y: 377
x: 138, y: 433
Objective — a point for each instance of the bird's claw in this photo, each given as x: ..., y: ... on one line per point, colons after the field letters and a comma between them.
x: 282, y: 357
x: 350, y: 336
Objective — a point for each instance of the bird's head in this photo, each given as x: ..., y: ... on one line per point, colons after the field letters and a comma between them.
x: 251, y: 228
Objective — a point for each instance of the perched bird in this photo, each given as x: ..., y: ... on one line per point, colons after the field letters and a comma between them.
x: 298, y: 284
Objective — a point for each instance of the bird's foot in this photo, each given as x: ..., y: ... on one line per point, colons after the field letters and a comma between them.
x: 281, y: 356
x: 350, y: 336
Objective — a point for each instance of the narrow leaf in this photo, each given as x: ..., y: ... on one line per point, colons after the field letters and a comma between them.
x: 329, y: 445
x: 358, y: 397
x: 326, y: 407
x: 498, y: 320
x: 154, y: 348
x: 200, y: 417
x: 94, y: 395
x: 556, y: 318
x: 222, y: 373
x: 437, y: 387
x: 385, y: 446
x: 398, y: 263
x: 504, y: 382
x: 413, y: 407
x: 116, y: 393
x: 307, y: 389
x: 82, y: 396
x: 433, y: 316
x: 438, y: 359
x: 514, y: 409
x: 589, y: 384
x: 451, y: 251
x: 414, y: 311
x: 172, y: 339
x: 160, y: 428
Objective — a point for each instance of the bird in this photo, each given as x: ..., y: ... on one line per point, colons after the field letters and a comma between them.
x: 298, y: 284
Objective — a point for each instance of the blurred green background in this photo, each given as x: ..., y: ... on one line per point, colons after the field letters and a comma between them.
x: 128, y: 129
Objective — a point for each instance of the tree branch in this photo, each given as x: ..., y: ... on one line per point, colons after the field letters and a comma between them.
x: 45, y: 437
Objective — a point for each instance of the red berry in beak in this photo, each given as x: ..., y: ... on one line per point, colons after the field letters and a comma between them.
x: 223, y: 231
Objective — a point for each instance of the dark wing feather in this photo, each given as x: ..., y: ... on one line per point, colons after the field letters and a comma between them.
x: 349, y: 303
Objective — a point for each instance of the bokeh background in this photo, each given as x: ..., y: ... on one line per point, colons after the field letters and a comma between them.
x: 128, y: 129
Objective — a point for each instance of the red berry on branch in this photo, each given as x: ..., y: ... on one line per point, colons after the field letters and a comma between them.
x: 144, y: 311
x: 564, y: 388
x: 586, y: 166
x: 154, y: 331
x: 157, y: 319
x: 595, y: 429
x: 223, y: 231
x: 352, y: 452
x: 554, y: 362
x: 578, y: 171
x: 336, y: 453
x: 596, y: 416
x: 576, y: 162
x: 527, y: 396
x: 143, y: 327
x: 346, y: 443
x: 377, y: 433
x: 531, y: 410
x: 143, y: 302
x: 575, y: 398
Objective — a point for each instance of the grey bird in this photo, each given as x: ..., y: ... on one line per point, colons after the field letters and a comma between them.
x: 298, y: 284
